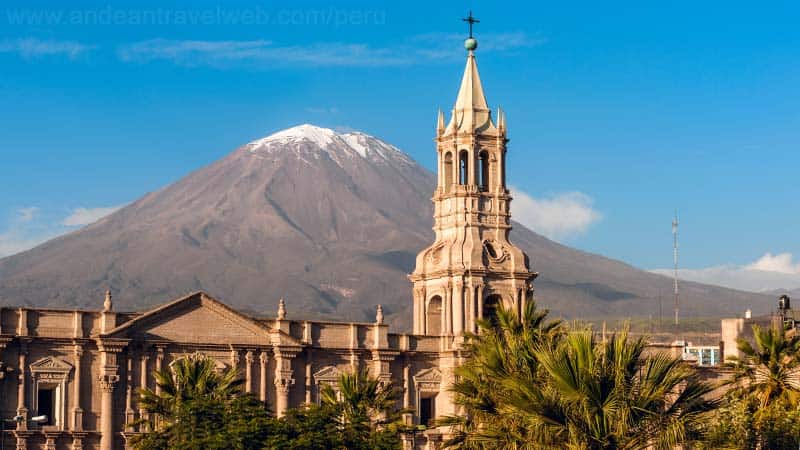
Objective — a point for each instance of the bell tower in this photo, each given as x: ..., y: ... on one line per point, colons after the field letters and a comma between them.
x: 471, y: 267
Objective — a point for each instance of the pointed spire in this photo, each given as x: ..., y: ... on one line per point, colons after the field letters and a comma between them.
x: 379, y: 315
x: 440, y: 122
x: 501, y: 119
x: 281, y: 309
x: 107, y: 305
x: 471, y: 112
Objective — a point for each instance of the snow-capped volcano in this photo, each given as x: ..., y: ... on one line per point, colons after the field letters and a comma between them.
x: 331, y: 221
x: 311, y: 138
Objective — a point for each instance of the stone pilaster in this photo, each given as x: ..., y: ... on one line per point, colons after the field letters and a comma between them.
x: 309, y: 387
x: 458, y: 307
x: 143, y: 384
x: 22, y: 376
x: 108, y: 379
x: 159, y: 363
x: 77, y: 411
x: 130, y: 416
x: 283, y: 377
x: 262, y: 375
x: 408, y: 418
x: 248, y: 370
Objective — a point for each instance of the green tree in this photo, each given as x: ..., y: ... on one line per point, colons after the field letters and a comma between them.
x: 761, y: 404
x: 365, y: 409
x: 196, y: 407
x: 531, y: 385
x: 503, y: 349
x: 768, y: 372
x: 610, y: 394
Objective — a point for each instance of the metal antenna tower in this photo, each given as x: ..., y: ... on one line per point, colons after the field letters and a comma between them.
x: 675, y: 260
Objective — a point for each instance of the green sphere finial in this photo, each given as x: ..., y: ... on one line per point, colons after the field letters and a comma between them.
x: 471, y: 44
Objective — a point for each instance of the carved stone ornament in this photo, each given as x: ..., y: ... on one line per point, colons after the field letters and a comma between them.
x: 435, y: 253
x: 428, y: 380
x: 50, y: 367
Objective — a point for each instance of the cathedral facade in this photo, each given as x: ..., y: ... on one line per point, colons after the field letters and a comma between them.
x: 82, y: 369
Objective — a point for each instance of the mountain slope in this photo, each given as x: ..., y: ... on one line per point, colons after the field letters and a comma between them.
x: 330, y: 221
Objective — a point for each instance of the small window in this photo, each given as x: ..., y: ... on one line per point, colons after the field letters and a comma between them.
x: 46, y: 404
x: 484, y: 171
x: 426, y: 410
x: 463, y: 164
x: 490, y: 306
x: 448, y: 171
x: 434, y: 316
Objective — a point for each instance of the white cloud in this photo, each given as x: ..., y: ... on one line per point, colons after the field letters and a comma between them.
x: 261, y: 53
x: 27, y: 214
x: 768, y: 273
x: 32, y: 47
x: 85, y: 216
x: 31, y: 226
x: 780, y: 263
x: 558, y: 217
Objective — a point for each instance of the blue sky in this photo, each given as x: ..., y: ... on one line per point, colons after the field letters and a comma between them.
x: 619, y: 114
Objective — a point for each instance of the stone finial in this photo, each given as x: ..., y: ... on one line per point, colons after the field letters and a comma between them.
x: 379, y: 315
x: 440, y: 123
x: 107, y: 305
x: 281, y: 309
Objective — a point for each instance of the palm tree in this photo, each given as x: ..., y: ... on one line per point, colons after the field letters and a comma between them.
x: 610, y: 394
x: 197, y: 407
x: 194, y: 377
x: 362, y: 401
x: 503, y: 348
x: 532, y: 385
x: 770, y: 371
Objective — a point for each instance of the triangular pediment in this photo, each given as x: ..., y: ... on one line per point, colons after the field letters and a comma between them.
x: 433, y: 375
x: 50, y: 364
x: 197, y: 318
x: 328, y: 373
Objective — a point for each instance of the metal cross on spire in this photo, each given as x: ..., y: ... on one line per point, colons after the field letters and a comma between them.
x: 472, y: 21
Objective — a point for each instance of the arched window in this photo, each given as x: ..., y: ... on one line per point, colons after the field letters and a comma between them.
x: 448, y: 171
x: 490, y: 305
x: 433, y: 326
x: 483, y: 161
x: 463, y: 166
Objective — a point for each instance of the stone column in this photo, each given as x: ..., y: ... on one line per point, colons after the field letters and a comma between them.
x: 408, y: 418
x: 447, y: 312
x: 107, y: 383
x: 159, y: 363
x: 234, y: 359
x: 458, y: 308
x: 479, y: 302
x: 308, y: 376
x: 262, y: 375
x: 248, y: 370
x: 109, y: 377
x: 77, y: 412
x: 129, y: 414
x: 283, y: 377
x: 22, y: 410
x: 143, y: 384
